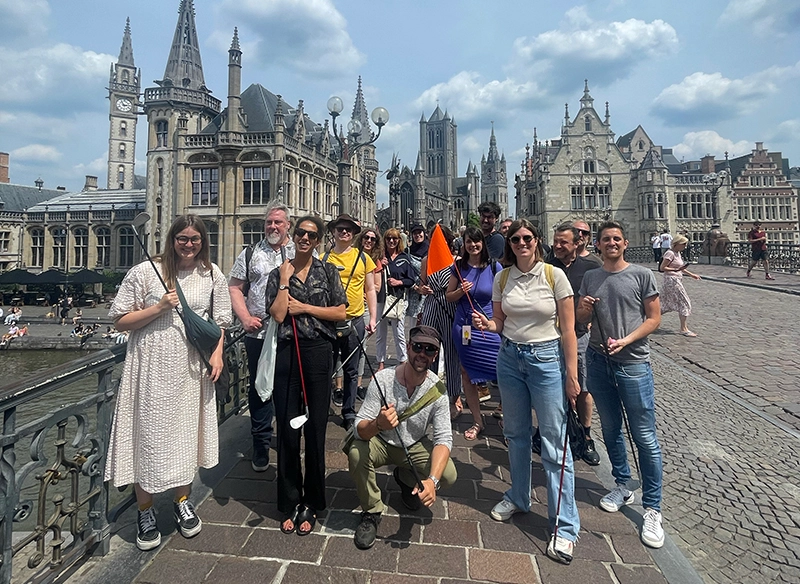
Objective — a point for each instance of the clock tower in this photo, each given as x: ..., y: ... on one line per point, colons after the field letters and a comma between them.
x: 123, y: 95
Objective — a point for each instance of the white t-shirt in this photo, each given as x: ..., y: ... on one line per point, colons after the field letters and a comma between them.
x: 655, y: 241
x: 666, y: 241
x: 530, y: 304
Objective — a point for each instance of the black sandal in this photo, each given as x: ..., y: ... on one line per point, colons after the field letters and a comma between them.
x: 306, y: 515
x: 293, y: 518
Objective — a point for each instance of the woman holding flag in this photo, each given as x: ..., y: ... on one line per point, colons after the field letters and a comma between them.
x: 471, y: 287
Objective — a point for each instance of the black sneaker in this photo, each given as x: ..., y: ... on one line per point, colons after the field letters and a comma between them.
x: 260, y: 461
x: 409, y: 500
x: 367, y: 530
x: 361, y: 393
x: 536, y: 443
x: 590, y: 455
x: 147, y: 534
x: 338, y: 397
x: 189, y: 523
x: 348, y: 423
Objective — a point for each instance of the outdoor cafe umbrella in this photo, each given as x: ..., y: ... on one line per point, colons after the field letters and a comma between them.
x: 53, y: 276
x: 85, y: 276
x: 18, y: 276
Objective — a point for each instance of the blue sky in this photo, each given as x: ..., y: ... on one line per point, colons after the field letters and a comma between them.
x: 700, y: 77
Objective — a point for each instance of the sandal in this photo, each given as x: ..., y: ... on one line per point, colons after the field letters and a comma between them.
x: 293, y: 518
x: 473, y: 432
x: 688, y: 334
x: 307, y: 515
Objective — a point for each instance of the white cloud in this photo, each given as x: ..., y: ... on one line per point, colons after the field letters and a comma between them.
x: 711, y: 96
x: 766, y: 17
x: 787, y: 131
x: 586, y: 48
x: 23, y: 20
x: 57, y: 75
x: 310, y: 37
x: 36, y: 153
x: 695, y: 145
x: 470, y: 96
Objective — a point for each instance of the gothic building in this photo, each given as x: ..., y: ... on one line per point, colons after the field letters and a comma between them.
x: 494, y: 183
x: 123, y: 95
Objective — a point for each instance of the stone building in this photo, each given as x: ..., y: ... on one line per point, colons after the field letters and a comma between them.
x: 494, y: 180
x: 123, y: 95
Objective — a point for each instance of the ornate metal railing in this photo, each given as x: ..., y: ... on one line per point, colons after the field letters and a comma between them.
x: 54, y: 503
x: 782, y: 257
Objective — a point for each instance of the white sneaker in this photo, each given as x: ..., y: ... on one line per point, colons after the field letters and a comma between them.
x: 560, y: 549
x: 615, y: 499
x: 504, y: 510
x: 652, y: 532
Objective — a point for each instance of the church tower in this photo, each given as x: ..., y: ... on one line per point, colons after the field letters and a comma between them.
x: 177, y: 110
x: 494, y: 183
x: 123, y: 95
x: 439, y: 151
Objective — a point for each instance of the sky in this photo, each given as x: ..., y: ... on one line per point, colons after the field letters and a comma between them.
x: 699, y: 77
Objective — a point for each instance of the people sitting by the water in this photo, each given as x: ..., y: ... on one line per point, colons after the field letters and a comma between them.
x: 13, y: 316
x: 78, y: 316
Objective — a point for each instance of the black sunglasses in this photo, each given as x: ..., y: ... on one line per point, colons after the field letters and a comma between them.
x: 369, y: 238
x: 430, y: 350
x: 344, y: 228
x: 515, y: 239
x: 582, y: 232
x: 299, y: 232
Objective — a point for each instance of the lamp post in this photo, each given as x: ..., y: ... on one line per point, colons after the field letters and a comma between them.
x: 349, y: 145
x: 713, y: 183
x: 410, y: 213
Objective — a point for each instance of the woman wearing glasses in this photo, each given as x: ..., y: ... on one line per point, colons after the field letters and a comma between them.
x: 534, y: 311
x: 471, y: 287
x: 306, y: 298
x: 371, y: 243
x: 165, y: 423
x: 399, y: 276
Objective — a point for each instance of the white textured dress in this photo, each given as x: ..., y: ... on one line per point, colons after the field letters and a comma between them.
x: 165, y: 423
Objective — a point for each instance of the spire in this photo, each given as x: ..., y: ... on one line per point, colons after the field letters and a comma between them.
x: 587, y: 100
x: 492, y: 147
x: 184, y: 66
x: 361, y: 115
x: 419, y: 167
x: 126, y: 50
x: 566, y: 114
x: 235, y: 41
x: 608, y: 115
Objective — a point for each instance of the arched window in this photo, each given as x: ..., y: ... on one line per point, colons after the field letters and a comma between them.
x: 252, y: 232
x: 161, y: 133
x: 641, y: 144
x: 103, y: 235
x: 122, y: 151
x: 80, y: 238
x: 123, y: 128
x: 37, y: 247
x: 126, y: 243
x: 125, y: 76
x: 212, y: 229
x: 160, y: 172
x: 121, y: 176
x: 587, y: 124
x: 59, y: 247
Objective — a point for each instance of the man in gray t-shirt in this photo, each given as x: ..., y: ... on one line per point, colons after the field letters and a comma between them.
x: 621, y: 301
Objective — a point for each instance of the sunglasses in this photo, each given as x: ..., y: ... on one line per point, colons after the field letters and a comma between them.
x: 183, y: 240
x: 515, y: 239
x: 392, y: 239
x: 429, y: 350
x: 344, y: 229
x: 582, y: 232
x: 312, y: 235
x: 369, y: 238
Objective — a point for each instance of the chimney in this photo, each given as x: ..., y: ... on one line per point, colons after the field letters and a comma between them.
x: 60, y: 188
x: 4, y: 167
x: 91, y: 183
x: 707, y: 165
x: 759, y: 148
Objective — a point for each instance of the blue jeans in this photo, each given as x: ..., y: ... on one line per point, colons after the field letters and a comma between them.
x: 532, y: 376
x: 343, y: 348
x: 637, y: 393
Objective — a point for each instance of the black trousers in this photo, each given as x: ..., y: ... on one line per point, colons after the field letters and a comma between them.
x: 317, y: 362
x: 261, y: 412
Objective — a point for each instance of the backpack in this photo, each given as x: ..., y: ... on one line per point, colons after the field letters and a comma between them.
x: 248, y: 256
x: 548, y: 275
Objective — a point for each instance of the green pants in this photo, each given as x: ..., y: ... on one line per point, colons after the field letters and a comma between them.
x: 366, y: 456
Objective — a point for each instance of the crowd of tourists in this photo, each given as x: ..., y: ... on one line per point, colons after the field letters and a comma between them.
x: 557, y: 329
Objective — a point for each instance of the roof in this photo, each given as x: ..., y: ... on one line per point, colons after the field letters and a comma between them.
x: 99, y: 200
x: 625, y: 141
x: 20, y: 197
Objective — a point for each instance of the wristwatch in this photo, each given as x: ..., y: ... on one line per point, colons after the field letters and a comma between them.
x: 283, y: 287
x: 435, y: 482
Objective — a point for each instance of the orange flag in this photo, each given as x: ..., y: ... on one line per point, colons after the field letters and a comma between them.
x: 439, y: 256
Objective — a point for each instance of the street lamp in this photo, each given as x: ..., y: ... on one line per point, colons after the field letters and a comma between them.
x: 349, y: 145
x: 713, y: 183
x: 410, y: 213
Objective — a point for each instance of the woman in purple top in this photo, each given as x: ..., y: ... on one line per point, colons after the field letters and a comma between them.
x: 471, y: 286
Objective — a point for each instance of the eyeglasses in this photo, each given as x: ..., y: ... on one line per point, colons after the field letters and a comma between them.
x: 344, y: 229
x: 582, y: 232
x: 183, y: 240
x: 300, y: 232
x: 515, y: 239
x: 392, y: 239
x: 369, y: 238
x: 430, y: 350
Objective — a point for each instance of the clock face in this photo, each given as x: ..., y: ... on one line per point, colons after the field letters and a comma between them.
x: 124, y: 105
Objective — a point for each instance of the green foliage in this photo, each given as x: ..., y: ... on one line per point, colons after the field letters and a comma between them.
x: 113, y: 279
x: 474, y: 220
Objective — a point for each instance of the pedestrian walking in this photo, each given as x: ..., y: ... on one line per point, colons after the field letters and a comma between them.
x: 621, y: 301
x: 306, y: 299
x: 165, y: 421
x: 537, y: 368
x: 673, y: 295
x: 757, y: 238
x: 655, y: 241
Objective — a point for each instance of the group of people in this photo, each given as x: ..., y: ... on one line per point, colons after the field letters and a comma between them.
x: 544, y: 328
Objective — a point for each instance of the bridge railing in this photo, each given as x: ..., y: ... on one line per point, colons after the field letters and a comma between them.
x: 782, y: 257
x: 54, y: 504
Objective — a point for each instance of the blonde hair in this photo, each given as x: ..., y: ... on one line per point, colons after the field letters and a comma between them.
x: 679, y: 240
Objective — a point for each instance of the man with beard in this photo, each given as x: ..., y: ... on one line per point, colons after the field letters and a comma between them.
x: 489, y: 212
x: 247, y: 284
x: 585, y: 235
x: 414, y: 400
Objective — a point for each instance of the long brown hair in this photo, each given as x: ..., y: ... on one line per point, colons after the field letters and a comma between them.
x: 169, y: 259
x: 377, y: 250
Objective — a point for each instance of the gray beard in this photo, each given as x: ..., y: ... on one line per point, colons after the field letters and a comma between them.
x: 274, y: 238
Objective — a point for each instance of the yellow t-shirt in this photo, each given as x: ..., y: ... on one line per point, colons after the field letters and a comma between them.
x: 355, y: 291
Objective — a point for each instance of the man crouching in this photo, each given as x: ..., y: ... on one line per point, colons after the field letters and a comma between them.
x: 390, y: 429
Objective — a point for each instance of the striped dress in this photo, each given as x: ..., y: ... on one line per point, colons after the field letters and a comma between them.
x: 438, y: 313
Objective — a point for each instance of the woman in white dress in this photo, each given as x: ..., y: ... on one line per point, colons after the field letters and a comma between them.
x: 165, y: 424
